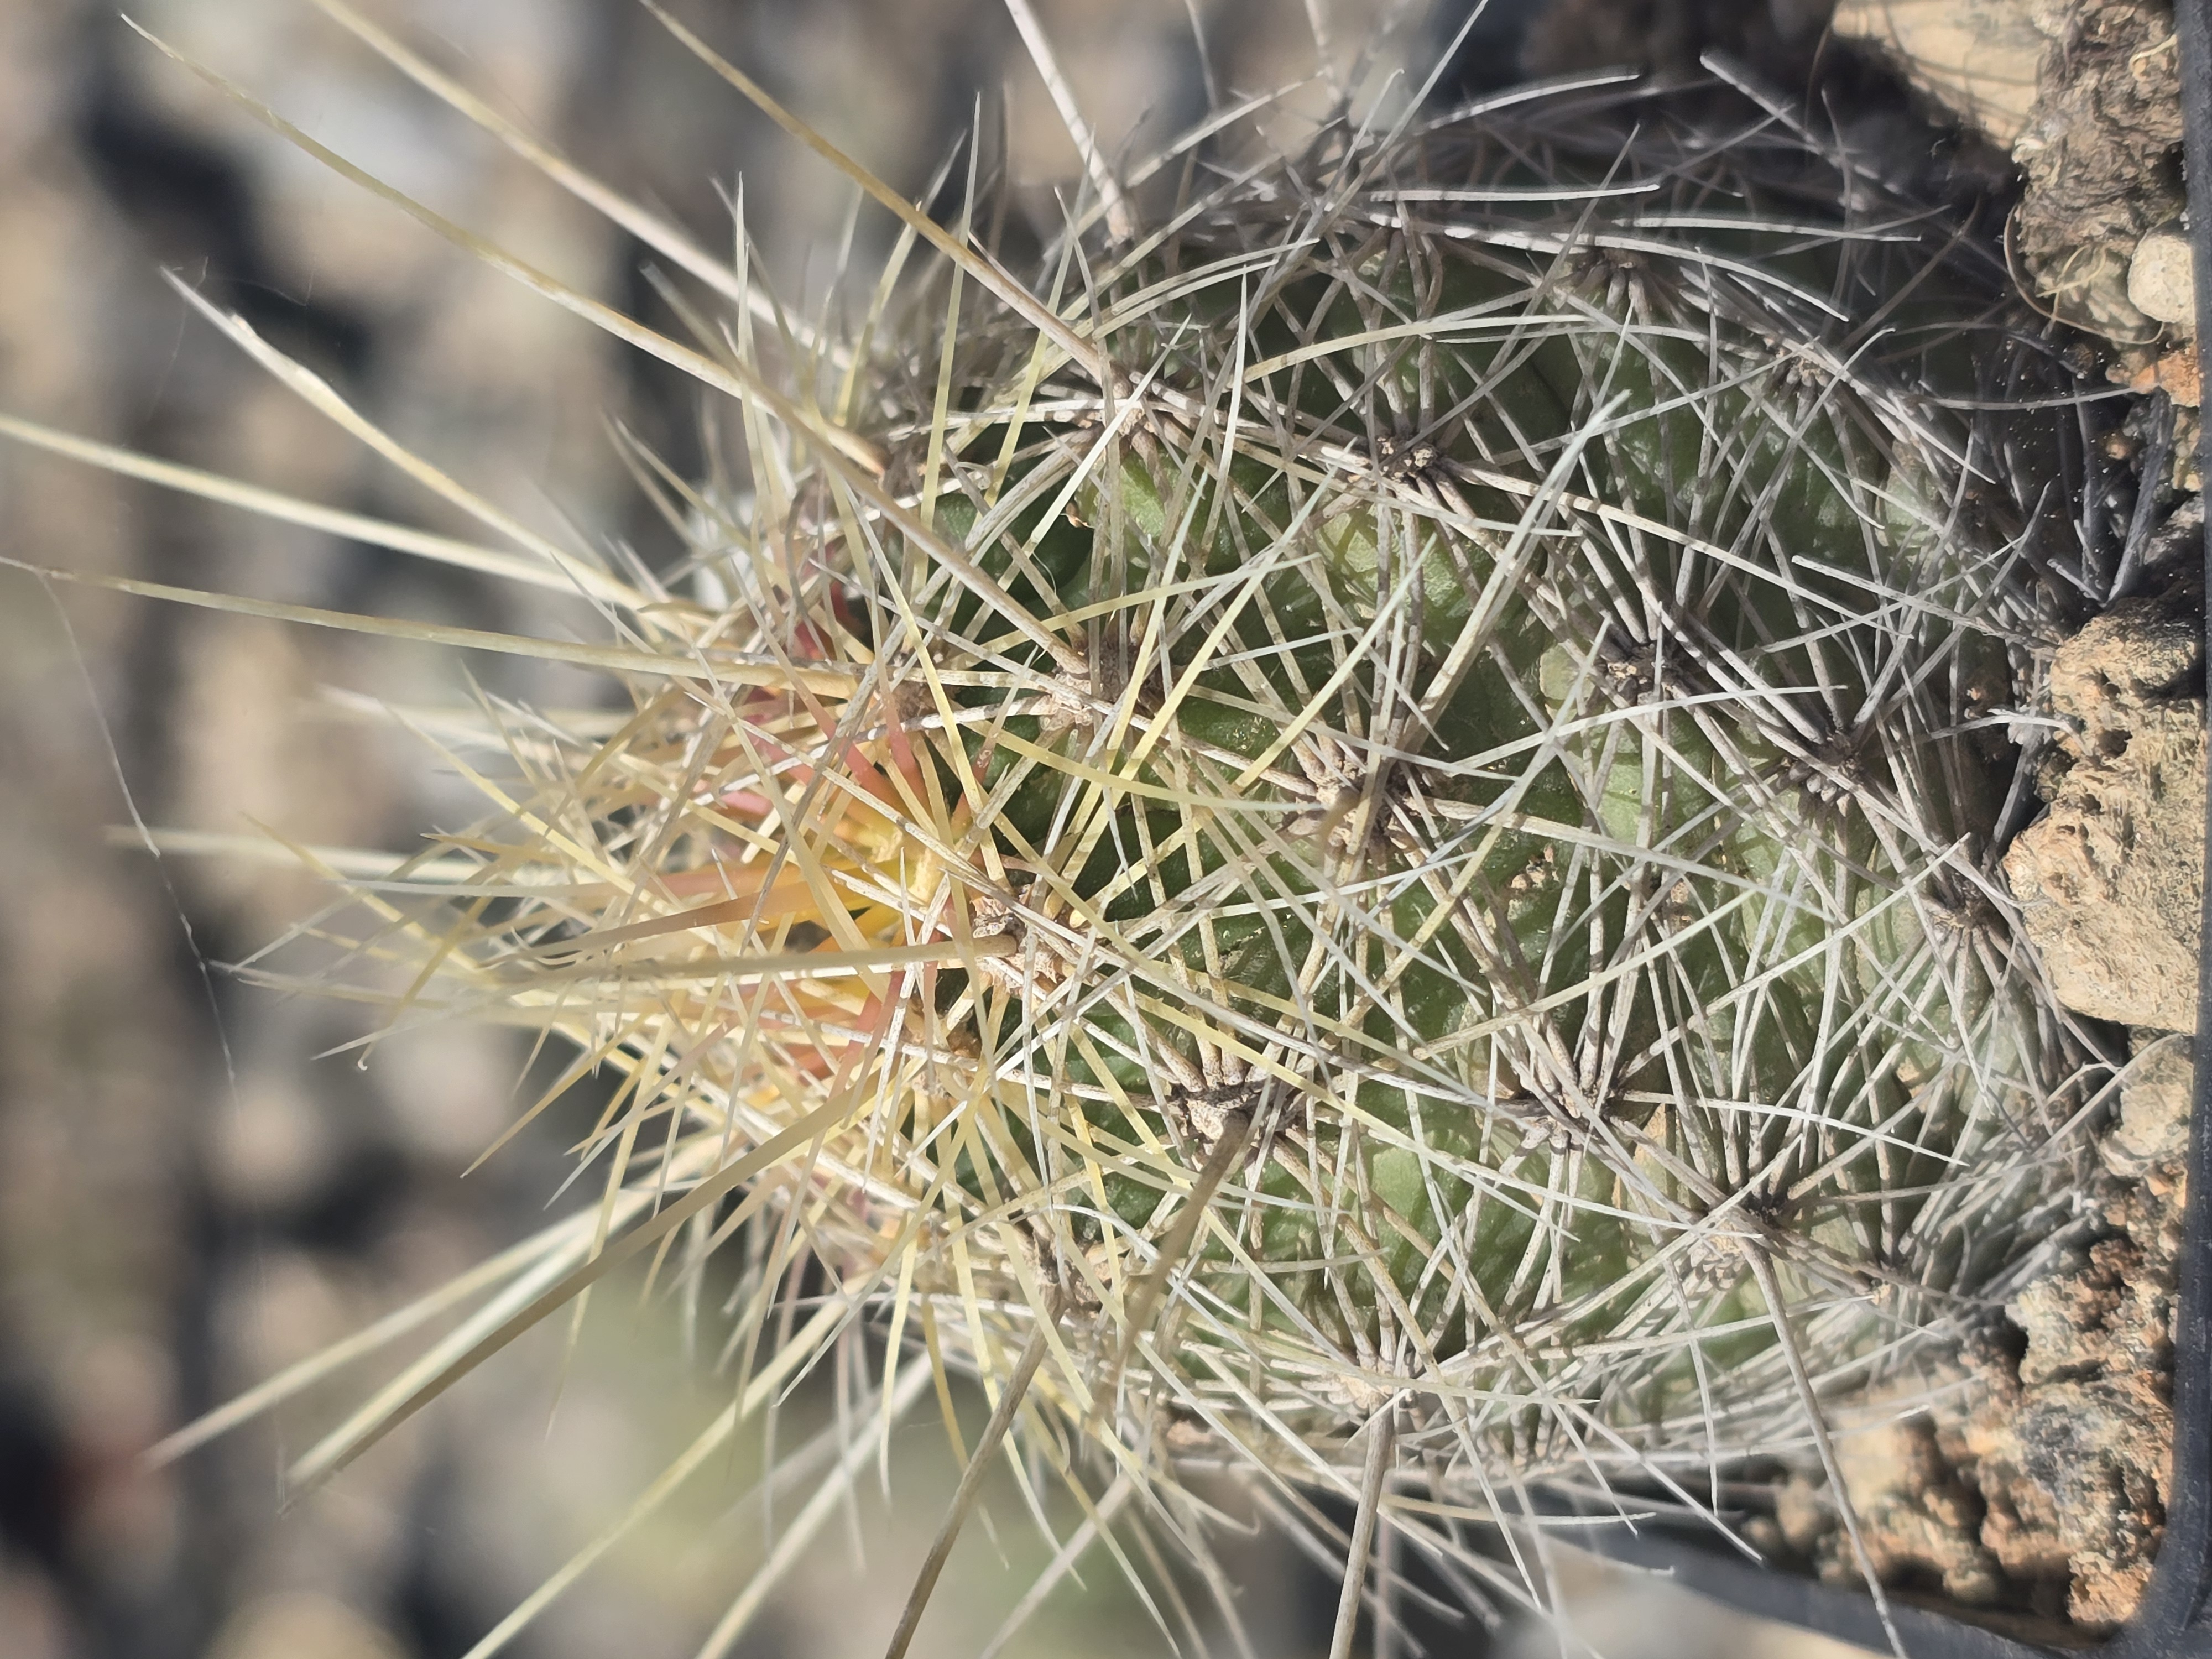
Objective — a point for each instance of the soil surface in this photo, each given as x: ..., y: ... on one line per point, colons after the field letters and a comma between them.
x: 2111, y: 880
x: 2069, y: 1444
x: 2102, y: 158
x: 2037, y: 1483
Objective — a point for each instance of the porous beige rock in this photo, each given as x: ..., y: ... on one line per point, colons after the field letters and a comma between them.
x: 2162, y: 279
x: 2073, y: 1477
x: 2111, y: 880
x: 2174, y: 373
x: 1978, y: 58
x: 2153, y: 1127
x: 2069, y: 1444
x: 1916, y: 1517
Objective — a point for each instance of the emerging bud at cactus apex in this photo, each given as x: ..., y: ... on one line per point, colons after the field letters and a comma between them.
x: 1366, y: 821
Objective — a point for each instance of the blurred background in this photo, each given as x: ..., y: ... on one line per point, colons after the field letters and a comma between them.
x: 193, y: 1192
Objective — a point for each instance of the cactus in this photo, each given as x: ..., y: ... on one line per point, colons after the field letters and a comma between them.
x: 1356, y: 832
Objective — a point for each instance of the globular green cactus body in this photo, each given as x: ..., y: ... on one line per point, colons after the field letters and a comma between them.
x: 1377, y: 833
x: 1604, y: 893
